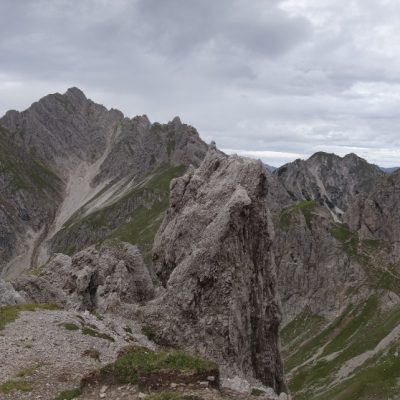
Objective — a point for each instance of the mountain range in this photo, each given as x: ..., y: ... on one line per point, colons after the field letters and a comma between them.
x: 286, y: 276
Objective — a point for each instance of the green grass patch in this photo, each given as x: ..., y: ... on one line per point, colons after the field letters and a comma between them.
x: 257, y: 392
x: 15, y: 385
x: 288, y: 216
x: 357, y: 322
x: 92, y: 332
x: 69, y: 394
x: 149, y: 332
x: 351, y: 243
x: 128, y: 368
x: 10, y: 313
x: 342, y: 233
x: 69, y: 326
x: 389, y: 278
x: 142, y: 227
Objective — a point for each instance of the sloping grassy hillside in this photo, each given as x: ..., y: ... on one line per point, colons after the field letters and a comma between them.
x: 354, y: 357
x: 133, y: 217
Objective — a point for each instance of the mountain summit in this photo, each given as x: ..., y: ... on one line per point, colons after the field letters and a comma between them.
x: 67, y: 162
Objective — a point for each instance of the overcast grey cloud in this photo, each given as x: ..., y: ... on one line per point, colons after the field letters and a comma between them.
x: 275, y: 79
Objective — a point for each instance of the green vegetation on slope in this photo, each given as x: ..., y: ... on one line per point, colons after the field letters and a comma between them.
x: 87, y: 329
x: 355, y: 332
x: 69, y: 394
x: 304, y: 326
x: 370, y: 254
x: 288, y: 216
x: 378, y: 380
x: 29, y: 371
x: 15, y: 385
x: 10, y: 313
x: 311, y: 346
x: 134, y: 218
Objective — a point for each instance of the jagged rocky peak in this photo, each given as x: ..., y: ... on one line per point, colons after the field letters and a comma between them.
x: 76, y: 94
x: 63, y: 129
x: 213, y: 255
x: 329, y: 179
x: 176, y: 121
x: 64, y: 152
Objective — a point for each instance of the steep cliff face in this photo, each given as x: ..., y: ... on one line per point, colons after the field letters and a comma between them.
x: 29, y: 195
x: 67, y: 161
x: 329, y: 179
x: 315, y: 273
x: 376, y: 215
x: 213, y: 254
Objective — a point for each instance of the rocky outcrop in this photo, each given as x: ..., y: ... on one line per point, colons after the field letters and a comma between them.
x: 8, y: 295
x: 329, y: 179
x: 94, y: 279
x: 213, y: 255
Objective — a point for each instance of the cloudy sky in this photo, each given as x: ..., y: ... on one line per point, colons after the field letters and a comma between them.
x: 274, y: 79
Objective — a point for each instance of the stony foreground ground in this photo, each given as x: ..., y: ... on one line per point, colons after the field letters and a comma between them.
x: 48, y: 352
x: 45, y: 353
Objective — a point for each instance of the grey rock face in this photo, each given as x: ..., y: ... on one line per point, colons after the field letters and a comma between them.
x: 213, y: 254
x: 93, y: 279
x: 376, y: 215
x: 8, y: 295
x: 63, y: 129
x: 314, y: 271
x: 329, y: 179
x: 140, y: 147
x: 29, y: 196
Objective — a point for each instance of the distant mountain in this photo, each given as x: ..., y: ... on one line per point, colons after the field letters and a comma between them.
x: 339, y: 277
x: 389, y: 170
x: 74, y: 173
x: 328, y: 179
x: 270, y: 168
